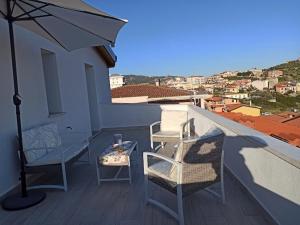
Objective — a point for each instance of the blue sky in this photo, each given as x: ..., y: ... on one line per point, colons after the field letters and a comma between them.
x: 202, y: 37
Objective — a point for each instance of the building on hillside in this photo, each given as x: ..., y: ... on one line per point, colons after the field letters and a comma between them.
x: 260, y: 84
x: 116, y: 80
x: 244, y: 109
x: 236, y: 95
x: 227, y: 74
x: 219, y: 104
x: 298, y: 87
x: 243, y: 84
x: 256, y: 72
x: 196, y: 80
x: 146, y: 93
x: 232, y: 88
x: 275, y: 73
x: 284, y: 88
x: 272, y: 82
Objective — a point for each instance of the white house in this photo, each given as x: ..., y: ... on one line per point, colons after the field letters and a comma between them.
x: 260, y: 84
x: 116, y: 80
x: 55, y: 85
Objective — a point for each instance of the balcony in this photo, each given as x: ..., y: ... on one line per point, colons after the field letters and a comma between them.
x: 262, y: 179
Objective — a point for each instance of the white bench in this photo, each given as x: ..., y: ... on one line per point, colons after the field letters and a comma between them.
x: 45, y: 146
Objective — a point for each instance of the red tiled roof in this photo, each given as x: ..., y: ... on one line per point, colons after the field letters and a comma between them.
x: 268, y: 126
x: 214, y: 99
x: 147, y: 90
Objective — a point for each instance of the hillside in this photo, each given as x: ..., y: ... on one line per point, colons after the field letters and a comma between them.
x: 290, y: 69
x: 141, y: 79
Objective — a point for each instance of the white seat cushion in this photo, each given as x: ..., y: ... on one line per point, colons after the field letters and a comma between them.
x: 167, y: 134
x: 171, y: 120
x: 55, y: 156
x: 163, y: 169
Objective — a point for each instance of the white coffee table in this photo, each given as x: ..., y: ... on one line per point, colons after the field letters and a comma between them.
x: 112, y: 158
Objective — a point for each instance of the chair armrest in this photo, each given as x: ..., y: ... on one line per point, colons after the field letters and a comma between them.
x: 154, y: 124
x: 177, y: 165
x: 182, y: 126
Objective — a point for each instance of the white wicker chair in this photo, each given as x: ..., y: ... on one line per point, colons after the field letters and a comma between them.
x: 194, y: 165
x: 174, y: 125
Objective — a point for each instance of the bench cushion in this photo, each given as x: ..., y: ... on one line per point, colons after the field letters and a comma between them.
x: 63, y: 153
x: 39, y: 141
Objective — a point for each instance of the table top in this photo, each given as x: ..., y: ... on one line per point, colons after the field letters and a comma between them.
x: 110, y: 156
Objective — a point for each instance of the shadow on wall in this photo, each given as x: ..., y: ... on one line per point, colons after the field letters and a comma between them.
x: 282, y: 210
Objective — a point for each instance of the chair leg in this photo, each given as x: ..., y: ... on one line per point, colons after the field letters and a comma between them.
x: 180, y: 205
x: 146, y: 183
x: 89, y: 155
x: 222, y: 179
x: 63, y: 167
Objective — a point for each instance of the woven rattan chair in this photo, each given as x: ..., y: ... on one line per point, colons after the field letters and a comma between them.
x: 184, y: 169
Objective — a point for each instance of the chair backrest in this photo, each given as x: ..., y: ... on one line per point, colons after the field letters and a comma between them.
x: 172, y: 119
x: 201, y: 162
x: 38, y: 141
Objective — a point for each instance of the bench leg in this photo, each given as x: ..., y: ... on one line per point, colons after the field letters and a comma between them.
x: 63, y: 168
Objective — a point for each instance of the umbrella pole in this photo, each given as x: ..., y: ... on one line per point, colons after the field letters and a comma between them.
x: 25, y: 199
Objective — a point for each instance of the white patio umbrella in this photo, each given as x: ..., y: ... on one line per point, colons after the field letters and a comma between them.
x: 71, y: 24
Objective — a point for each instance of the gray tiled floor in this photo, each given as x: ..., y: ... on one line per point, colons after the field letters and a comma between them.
x: 122, y: 204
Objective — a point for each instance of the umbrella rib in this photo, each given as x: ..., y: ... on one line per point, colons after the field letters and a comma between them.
x: 32, y: 17
x: 57, y: 17
x: 12, y: 9
x: 33, y: 10
x: 2, y: 13
x: 43, y: 28
x: 83, y: 11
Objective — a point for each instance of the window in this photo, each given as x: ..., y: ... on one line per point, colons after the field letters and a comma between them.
x: 51, y: 82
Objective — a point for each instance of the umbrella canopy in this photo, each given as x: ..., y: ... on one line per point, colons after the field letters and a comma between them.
x: 72, y: 24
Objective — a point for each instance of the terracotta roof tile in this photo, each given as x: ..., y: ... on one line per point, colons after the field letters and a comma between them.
x: 268, y: 126
x: 147, y: 90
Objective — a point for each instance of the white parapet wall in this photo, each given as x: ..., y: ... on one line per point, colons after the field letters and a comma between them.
x: 131, y: 115
x: 268, y: 168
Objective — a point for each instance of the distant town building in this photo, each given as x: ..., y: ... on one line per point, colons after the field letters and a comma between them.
x: 298, y: 87
x: 244, y: 110
x: 272, y: 82
x: 232, y: 88
x: 228, y: 74
x: 236, y: 95
x: 116, y: 80
x: 275, y: 73
x: 256, y: 72
x: 243, y: 84
x: 196, y: 80
x: 260, y: 84
x: 220, y: 104
x: 284, y: 88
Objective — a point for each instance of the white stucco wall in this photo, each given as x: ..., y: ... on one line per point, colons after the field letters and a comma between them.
x: 72, y: 79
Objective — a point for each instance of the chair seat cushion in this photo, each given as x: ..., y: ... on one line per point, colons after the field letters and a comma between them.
x: 55, y: 156
x: 172, y: 134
